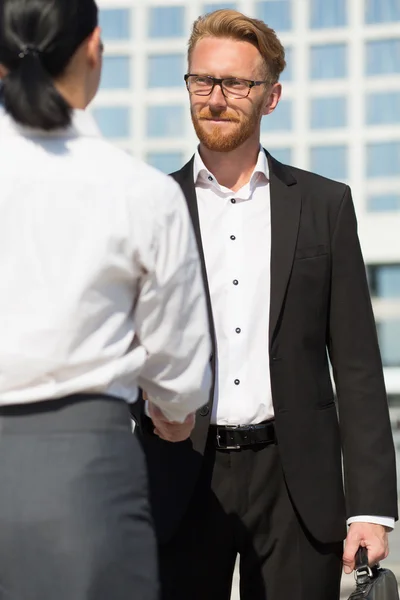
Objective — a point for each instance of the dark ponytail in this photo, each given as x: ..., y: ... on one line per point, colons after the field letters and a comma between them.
x: 37, y: 40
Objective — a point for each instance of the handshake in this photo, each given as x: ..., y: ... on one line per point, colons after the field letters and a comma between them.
x: 168, y: 430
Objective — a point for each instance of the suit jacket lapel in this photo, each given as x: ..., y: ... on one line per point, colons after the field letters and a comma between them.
x: 285, y: 221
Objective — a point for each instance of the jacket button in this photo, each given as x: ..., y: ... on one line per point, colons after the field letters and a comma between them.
x: 204, y: 410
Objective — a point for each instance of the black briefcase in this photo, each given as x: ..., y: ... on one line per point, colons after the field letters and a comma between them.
x: 373, y: 583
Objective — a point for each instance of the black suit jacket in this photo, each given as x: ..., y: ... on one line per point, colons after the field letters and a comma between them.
x: 319, y: 305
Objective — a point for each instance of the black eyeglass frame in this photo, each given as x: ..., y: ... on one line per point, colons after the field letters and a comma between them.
x: 216, y: 81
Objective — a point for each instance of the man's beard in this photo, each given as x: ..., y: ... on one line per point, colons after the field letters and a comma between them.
x: 219, y: 141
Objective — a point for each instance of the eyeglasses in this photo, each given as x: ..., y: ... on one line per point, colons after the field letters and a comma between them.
x: 231, y: 87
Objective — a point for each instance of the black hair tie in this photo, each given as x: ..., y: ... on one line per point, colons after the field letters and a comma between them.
x: 28, y: 51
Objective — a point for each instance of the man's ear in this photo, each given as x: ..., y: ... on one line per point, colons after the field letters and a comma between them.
x: 272, y: 99
x: 3, y: 71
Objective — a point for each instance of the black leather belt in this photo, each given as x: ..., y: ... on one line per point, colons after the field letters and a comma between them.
x: 234, y: 437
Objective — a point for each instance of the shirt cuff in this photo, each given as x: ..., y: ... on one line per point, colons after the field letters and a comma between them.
x: 385, y: 521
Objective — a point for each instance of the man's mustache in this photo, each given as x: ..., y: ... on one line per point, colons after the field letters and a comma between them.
x: 223, y: 116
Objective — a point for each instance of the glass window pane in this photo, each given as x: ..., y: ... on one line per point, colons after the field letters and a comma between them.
x: 166, y: 70
x: 382, y: 11
x: 329, y: 161
x: 168, y: 162
x: 113, y: 121
x: 211, y: 6
x: 284, y: 155
x: 275, y: 13
x: 165, y: 121
x: 166, y: 21
x: 328, y: 61
x: 116, y: 73
x: 115, y: 24
x: 328, y: 13
x: 280, y: 120
x: 328, y: 112
x: 383, y: 202
x: 287, y: 74
x: 389, y: 336
x: 387, y: 281
x: 383, y: 108
x: 383, y: 57
x: 383, y: 159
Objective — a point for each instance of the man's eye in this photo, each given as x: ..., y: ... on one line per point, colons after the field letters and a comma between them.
x: 235, y: 83
x: 203, y: 80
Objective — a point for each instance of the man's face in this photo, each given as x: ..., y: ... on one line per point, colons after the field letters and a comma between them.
x: 223, y: 124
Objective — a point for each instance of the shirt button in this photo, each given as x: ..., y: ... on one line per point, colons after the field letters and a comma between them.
x: 235, y: 282
x: 210, y: 178
x: 233, y: 200
x: 233, y: 237
x: 237, y: 381
x: 204, y: 410
x: 238, y: 330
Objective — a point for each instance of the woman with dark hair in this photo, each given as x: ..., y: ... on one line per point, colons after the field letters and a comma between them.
x: 101, y: 292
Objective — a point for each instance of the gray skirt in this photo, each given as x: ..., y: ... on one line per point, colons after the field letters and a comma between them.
x: 75, y: 521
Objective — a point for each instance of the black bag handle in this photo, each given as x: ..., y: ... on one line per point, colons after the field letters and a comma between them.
x: 363, y: 572
x: 361, y: 558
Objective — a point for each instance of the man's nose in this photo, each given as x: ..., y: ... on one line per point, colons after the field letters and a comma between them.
x: 217, y: 99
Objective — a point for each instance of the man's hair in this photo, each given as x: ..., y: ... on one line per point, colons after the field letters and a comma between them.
x: 237, y: 26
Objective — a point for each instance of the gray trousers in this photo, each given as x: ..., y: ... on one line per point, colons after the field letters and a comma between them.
x: 75, y: 521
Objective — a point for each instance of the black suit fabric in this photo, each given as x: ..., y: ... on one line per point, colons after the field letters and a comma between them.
x: 319, y: 309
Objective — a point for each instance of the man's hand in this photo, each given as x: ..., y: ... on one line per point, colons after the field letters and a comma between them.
x: 371, y: 536
x: 170, y: 431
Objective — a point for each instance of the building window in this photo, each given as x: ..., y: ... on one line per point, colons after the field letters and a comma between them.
x: 113, y: 121
x: 166, y: 21
x: 327, y: 113
x: 280, y: 119
x: 328, y: 13
x: 383, y: 108
x: 329, y: 161
x: 383, y: 159
x: 383, y: 202
x: 287, y: 74
x: 115, y: 24
x: 168, y: 162
x: 165, y: 121
x: 383, y: 57
x: 116, y: 73
x: 389, y: 336
x: 284, y: 155
x: 394, y: 400
x: 211, y: 6
x: 384, y: 280
x: 275, y: 13
x: 166, y: 70
x: 382, y: 11
x: 328, y: 61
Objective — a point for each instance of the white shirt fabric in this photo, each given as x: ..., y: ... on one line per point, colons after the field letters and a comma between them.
x: 236, y: 240
x: 101, y: 287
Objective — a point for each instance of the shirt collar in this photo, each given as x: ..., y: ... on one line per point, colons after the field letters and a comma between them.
x: 203, y: 175
x: 82, y: 125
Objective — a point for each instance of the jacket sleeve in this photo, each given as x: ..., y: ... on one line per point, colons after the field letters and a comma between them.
x: 367, y: 442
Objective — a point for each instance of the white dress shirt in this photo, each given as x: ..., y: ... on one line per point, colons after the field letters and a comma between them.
x: 101, y: 289
x: 236, y: 238
x: 237, y: 245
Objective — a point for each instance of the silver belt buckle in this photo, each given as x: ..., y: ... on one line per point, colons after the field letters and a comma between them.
x: 235, y: 447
